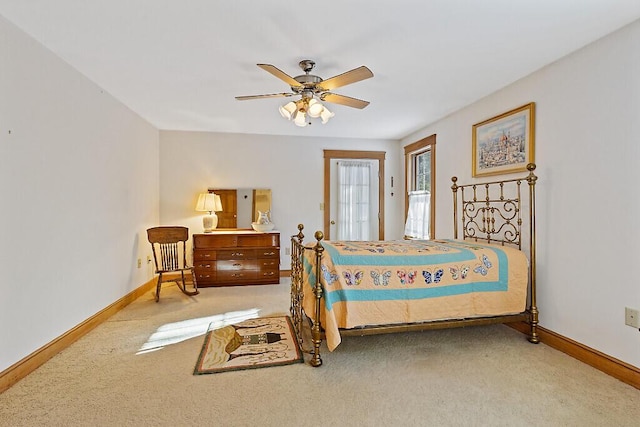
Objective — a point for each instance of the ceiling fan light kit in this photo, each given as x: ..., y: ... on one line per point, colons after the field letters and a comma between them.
x: 313, y: 89
x: 298, y: 111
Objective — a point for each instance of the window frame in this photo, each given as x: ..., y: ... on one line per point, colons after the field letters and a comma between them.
x: 410, y: 153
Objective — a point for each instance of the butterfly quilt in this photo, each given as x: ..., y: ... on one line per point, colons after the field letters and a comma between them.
x: 407, y: 281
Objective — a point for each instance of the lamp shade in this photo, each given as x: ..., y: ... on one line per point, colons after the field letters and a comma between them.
x: 209, y: 202
x: 287, y: 110
x: 326, y: 115
x: 300, y: 119
x: 315, y: 109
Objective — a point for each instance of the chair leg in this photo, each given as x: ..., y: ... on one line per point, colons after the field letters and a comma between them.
x: 158, y: 287
x: 183, y: 287
x: 193, y: 277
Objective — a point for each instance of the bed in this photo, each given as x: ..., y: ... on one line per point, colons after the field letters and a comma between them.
x: 488, y: 275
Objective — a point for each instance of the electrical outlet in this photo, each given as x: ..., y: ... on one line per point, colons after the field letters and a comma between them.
x: 632, y: 317
x: 321, y: 206
x: 148, y: 259
x: 139, y: 262
x: 287, y: 251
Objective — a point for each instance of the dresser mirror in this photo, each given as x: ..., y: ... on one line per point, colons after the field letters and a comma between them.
x: 240, y: 206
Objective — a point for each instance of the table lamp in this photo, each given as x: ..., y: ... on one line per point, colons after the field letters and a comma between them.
x: 209, y: 202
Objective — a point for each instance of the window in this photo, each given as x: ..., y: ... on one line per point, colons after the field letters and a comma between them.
x: 422, y: 166
x: 420, y: 180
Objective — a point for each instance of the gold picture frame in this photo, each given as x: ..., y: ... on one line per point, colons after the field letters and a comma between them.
x: 505, y: 143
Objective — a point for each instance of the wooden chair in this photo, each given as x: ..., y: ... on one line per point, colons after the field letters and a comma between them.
x: 170, y: 256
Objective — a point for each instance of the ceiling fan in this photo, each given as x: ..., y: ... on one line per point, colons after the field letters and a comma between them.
x: 313, y: 89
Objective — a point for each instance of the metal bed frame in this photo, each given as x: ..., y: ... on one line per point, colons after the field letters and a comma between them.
x: 490, y: 212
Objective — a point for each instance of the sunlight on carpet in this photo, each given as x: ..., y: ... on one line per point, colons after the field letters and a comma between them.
x: 175, y: 332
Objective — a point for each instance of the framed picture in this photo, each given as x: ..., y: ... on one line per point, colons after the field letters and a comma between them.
x: 505, y: 143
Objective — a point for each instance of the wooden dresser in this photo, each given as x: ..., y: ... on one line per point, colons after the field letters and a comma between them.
x: 236, y: 257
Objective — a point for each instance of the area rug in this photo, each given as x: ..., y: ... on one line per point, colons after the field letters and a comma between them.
x: 254, y: 343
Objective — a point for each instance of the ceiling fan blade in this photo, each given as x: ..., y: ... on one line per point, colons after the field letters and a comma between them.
x: 280, y: 74
x: 355, y: 75
x: 268, y: 95
x: 344, y: 100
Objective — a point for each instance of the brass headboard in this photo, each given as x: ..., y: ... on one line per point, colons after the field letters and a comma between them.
x: 492, y: 211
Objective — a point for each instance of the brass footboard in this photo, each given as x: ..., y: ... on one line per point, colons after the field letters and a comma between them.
x: 297, y: 294
x: 297, y: 252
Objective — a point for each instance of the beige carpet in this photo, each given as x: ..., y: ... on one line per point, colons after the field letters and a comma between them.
x: 137, y: 370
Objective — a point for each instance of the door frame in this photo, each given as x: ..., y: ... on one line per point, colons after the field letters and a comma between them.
x: 330, y: 155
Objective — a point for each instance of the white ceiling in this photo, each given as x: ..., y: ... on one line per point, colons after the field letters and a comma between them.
x: 180, y: 63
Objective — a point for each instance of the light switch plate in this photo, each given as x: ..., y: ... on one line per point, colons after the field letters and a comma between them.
x: 632, y: 317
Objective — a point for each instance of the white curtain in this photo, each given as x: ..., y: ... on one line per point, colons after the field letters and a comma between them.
x: 353, y: 200
x: 417, y: 225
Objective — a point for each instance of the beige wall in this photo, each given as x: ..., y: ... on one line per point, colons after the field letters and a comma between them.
x: 587, y: 151
x: 292, y: 167
x: 79, y: 181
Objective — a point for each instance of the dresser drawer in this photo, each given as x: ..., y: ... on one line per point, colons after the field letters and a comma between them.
x: 268, y: 253
x: 204, y: 265
x: 203, y: 255
x: 269, y: 264
x: 238, y: 253
x: 260, y: 239
x: 236, y: 265
x: 205, y: 276
x: 236, y: 270
x: 201, y: 241
x: 235, y: 276
x: 269, y: 275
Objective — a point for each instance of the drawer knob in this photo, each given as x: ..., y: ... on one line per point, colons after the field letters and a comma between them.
x: 269, y: 253
x: 237, y: 264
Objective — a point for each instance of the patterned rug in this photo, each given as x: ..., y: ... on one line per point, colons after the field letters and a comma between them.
x: 254, y: 343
